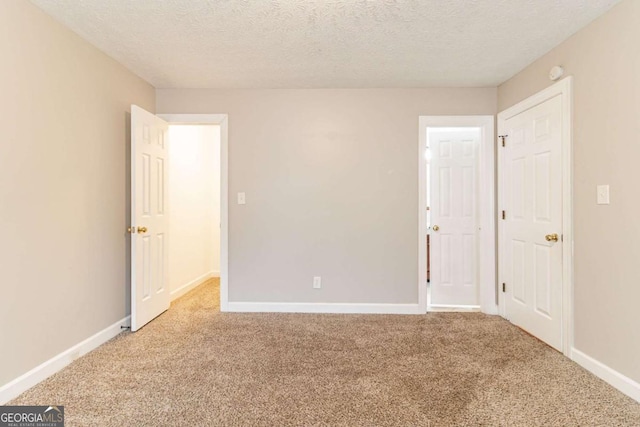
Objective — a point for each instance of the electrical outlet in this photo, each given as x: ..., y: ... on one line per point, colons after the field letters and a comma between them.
x: 317, y: 282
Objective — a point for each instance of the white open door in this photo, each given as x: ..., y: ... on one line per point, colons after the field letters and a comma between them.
x: 453, y: 176
x: 149, y: 147
x: 531, y: 261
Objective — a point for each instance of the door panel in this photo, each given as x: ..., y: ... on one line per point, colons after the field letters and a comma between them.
x: 149, y: 294
x: 453, y: 236
x: 531, y: 178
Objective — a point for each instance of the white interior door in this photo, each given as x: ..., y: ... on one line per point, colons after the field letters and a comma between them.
x: 453, y: 184
x: 149, y: 154
x: 531, y: 194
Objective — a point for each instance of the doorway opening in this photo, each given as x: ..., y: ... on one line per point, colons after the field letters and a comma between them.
x: 457, y: 267
x: 452, y: 218
x: 193, y: 206
x: 151, y: 294
x: 213, y: 128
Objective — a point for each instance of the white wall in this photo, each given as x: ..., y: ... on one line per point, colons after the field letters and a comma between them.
x: 604, y: 60
x: 331, y: 178
x: 194, y: 205
x: 64, y: 190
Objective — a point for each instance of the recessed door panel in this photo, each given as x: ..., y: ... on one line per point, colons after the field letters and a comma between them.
x: 146, y: 185
x: 468, y: 192
x: 542, y: 280
x: 542, y: 187
x: 146, y: 268
x: 160, y: 247
x: 160, y: 176
x: 444, y: 193
x: 518, y: 186
x: 469, y: 260
x: 518, y: 268
x: 445, y: 260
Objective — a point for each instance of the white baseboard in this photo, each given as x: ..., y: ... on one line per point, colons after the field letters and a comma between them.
x: 287, y: 307
x: 175, y: 294
x: 453, y: 308
x: 45, y: 370
x: 613, y: 377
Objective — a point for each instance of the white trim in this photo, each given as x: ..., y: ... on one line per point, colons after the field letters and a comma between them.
x: 563, y: 88
x: 224, y: 214
x: 223, y: 121
x: 187, y: 287
x: 422, y: 216
x: 302, y: 307
x: 625, y: 384
x: 193, y: 119
x: 43, y: 371
x: 455, y: 307
x: 487, y: 235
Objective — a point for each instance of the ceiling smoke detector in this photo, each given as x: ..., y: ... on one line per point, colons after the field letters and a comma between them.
x: 556, y: 72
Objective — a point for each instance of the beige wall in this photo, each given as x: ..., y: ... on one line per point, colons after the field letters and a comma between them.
x: 194, y: 204
x: 604, y: 59
x: 331, y: 180
x: 63, y: 163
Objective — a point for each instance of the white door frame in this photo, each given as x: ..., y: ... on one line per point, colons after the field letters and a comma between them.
x: 486, y: 210
x: 222, y: 121
x: 564, y: 89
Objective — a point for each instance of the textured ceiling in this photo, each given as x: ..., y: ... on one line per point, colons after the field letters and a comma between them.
x: 324, y: 43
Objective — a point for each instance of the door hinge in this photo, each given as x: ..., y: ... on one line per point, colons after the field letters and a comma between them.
x: 504, y: 215
x: 503, y: 137
x: 504, y: 287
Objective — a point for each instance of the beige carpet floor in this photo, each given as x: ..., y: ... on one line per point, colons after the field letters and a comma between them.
x: 195, y: 366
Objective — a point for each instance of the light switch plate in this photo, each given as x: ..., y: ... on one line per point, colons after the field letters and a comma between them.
x: 603, y: 194
x: 242, y: 199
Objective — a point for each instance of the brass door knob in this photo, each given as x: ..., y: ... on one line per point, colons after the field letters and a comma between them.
x: 435, y: 228
x: 551, y: 237
x: 142, y: 230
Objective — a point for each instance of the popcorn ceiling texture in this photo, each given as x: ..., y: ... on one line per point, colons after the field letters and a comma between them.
x: 325, y: 43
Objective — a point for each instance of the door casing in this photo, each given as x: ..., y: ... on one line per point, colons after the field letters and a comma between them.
x: 486, y: 212
x: 564, y: 89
